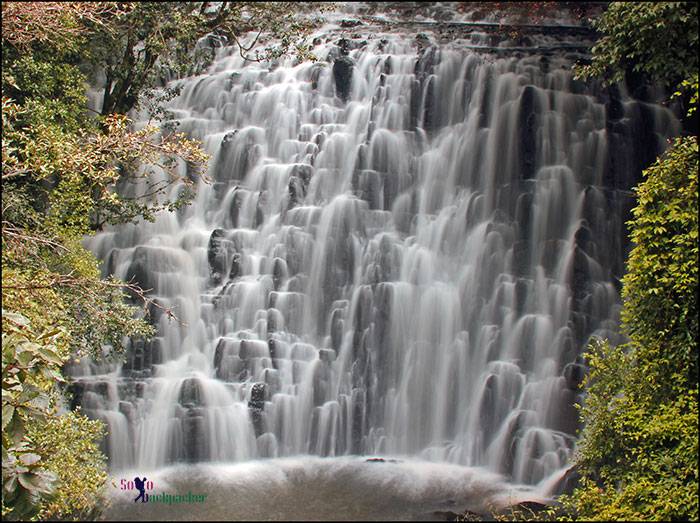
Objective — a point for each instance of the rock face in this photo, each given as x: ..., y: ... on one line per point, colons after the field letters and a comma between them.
x: 342, y: 75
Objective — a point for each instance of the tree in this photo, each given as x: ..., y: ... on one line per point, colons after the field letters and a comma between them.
x: 60, y: 173
x: 638, y: 451
x: 637, y: 454
x: 658, y: 40
x: 155, y: 41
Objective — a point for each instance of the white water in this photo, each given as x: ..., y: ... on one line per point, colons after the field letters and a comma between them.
x: 411, y: 272
x: 324, y: 489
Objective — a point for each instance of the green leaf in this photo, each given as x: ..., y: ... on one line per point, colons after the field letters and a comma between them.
x: 7, y: 413
x: 25, y: 357
x: 51, y: 356
x: 34, y: 482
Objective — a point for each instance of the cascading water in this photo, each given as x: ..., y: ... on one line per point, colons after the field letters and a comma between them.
x: 403, y: 251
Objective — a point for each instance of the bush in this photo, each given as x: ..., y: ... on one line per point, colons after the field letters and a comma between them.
x: 638, y: 451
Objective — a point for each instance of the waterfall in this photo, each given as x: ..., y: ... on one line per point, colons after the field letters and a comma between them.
x: 403, y: 250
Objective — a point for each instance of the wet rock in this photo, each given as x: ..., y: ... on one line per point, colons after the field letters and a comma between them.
x: 584, y: 239
x: 574, y: 373
x: 381, y: 460
x: 337, y: 325
x: 222, y: 348
x: 235, y: 208
x: 296, y: 192
x: 193, y: 435
x: 256, y: 404
x: 139, y: 388
x: 257, y: 396
x: 220, y: 251
x: 342, y: 75
x: 76, y: 389
x: 141, y: 273
x: 190, y: 393
x: 126, y: 408
x: 272, y: 381
x: 235, y: 267
x: 259, y: 210
x: 252, y: 349
x: 279, y: 272
x: 272, y: 347
x: 568, y: 482
x: 327, y: 355
x: 350, y: 22
x: 527, y: 129
x: 581, y: 277
x: 422, y: 40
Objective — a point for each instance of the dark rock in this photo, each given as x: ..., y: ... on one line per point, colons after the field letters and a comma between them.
x: 259, y: 210
x: 342, y: 75
x: 422, y: 40
x: 235, y: 207
x: 257, y: 396
x: 527, y: 126
x: 235, y: 267
x: 256, y: 404
x: 220, y: 251
x: 193, y: 435
x: 574, y: 374
x: 580, y: 277
x: 272, y: 347
x: 350, y: 22
x: 190, y: 393
x: 76, y: 390
x: 568, y: 482
x: 279, y: 272
x: 381, y: 460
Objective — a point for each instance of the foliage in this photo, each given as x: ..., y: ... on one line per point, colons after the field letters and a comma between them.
x: 659, y: 39
x: 66, y: 173
x: 30, y: 365
x: 637, y: 454
x: 52, y: 467
x: 71, y: 445
x: 638, y: 450
x: 660, y: 288
x: 58, y: 26
x: 156, y: 41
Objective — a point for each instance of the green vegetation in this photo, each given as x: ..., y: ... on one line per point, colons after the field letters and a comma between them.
x: 638, y: 451
x: 659, y: 39
x: 155, y: 41
x: 66, y: 173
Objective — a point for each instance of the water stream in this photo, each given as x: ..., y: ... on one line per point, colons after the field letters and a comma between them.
x: 403, y: 251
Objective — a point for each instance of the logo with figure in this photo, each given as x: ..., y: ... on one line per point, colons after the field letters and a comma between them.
x: 141, y: 486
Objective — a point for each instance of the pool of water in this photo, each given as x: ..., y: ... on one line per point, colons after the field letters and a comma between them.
x: 312, y: 488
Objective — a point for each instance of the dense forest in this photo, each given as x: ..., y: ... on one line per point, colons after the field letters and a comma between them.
x: 64, y: 170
